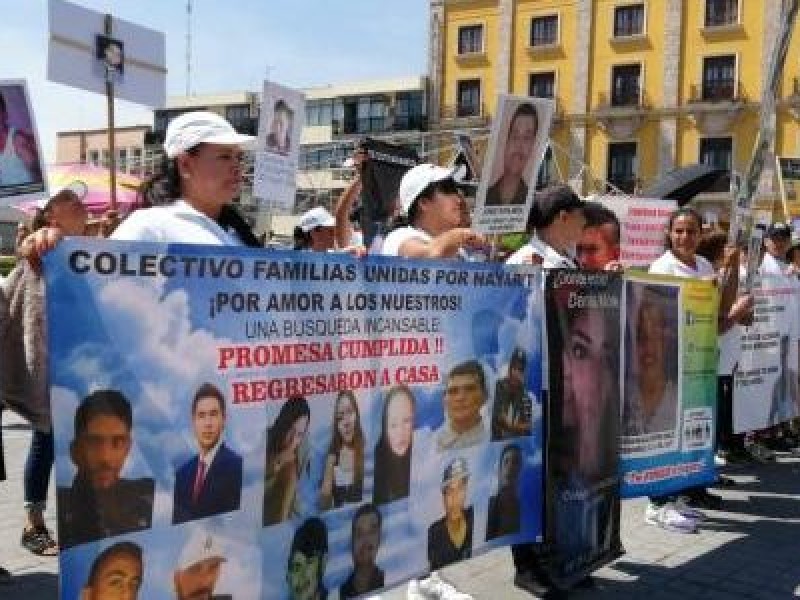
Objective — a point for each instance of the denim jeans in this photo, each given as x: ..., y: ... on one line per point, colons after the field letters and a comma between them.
x: 37, y: 470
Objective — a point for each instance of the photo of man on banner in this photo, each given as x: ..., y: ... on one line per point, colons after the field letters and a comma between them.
x: 517, y: 145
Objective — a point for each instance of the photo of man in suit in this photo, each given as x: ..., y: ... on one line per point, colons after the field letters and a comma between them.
x: 210, y: 483
x: 99, y: 503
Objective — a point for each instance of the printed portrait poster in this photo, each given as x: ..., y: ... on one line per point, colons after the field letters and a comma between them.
x: 21, y: 177
x: 517, y: 145
x: 765, y: 381
x: 643, y: 222
x: 669, y: 349
x: 305, y: 420
x: 583, y: 499
x: 279, y: 129
x: 789, y: 178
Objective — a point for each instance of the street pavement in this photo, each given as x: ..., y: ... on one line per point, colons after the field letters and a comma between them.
x: 749, y: 550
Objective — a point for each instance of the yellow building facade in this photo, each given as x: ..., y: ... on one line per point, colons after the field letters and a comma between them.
x: 641, y: 87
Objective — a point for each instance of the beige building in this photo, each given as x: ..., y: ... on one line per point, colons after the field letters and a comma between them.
x: 91, y: 146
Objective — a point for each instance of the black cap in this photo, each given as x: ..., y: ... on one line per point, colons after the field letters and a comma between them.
x: 550, y: 201
x: 779, y: 230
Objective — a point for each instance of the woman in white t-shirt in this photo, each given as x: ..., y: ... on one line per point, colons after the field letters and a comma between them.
x: 681, y: 260
x: 435, y: 220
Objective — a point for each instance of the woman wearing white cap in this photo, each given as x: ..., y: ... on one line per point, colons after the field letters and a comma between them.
x: 190, y: 199
x: 315, y: 231
x: 434, y: 215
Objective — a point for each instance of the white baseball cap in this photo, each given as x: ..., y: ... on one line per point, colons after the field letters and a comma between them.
x: 201, y: 546
x: 77, y: 187
x: 418, y: 178
x: 316, y: 217
x: 201, y: 127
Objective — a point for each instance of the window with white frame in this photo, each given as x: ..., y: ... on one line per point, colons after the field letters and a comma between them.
x: 721, y: 12
x: 629, y: 20
x: 470, y: 39
x: 544, y: 30
x: 542, y: 85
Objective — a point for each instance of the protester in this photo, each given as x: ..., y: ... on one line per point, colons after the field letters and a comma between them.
x: 25, y: 363
x: 315, y: 231
x: 598, y: 247
x: 435, y: 221
x: 555, y: 224
x: 343, y: 480
x: 344, y: 209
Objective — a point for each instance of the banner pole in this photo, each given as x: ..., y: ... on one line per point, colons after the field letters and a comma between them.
x: 112, y: 154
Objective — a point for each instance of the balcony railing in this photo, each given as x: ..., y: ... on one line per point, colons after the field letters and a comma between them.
x: 722, y: 90
x: 722, y: 16
x: 627, y: 98
x: 463, y: 111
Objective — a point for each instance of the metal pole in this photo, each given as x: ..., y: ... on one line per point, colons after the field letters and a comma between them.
x: 112, y: 158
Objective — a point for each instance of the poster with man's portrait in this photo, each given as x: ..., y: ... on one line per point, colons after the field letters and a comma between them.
x: 109, y: 53
x: 516, y: 148
x: 279, y: 129
x: 21, y: 177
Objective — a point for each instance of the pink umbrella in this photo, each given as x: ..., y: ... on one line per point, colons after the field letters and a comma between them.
x: 97, y: 184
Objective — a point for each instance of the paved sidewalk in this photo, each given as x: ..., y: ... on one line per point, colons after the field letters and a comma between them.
x: 749, y: 550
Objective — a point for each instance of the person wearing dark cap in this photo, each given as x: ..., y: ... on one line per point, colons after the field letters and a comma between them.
x: 555, y: 224
x: 511, y: 412
x: 308, y: 555
x: 450, y: 538
x: 777, y: 242
x: 435, y: 222
x: 99, y: 503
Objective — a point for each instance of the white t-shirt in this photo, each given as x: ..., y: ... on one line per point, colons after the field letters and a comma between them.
x: 176, y: 223
x: 772, y: 266
x: 551, y: 259
x: 668, y: 264
x: 398, y: 237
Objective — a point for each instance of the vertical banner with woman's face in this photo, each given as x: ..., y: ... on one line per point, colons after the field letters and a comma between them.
x: 583, y: 510
x: 516, y: 148
x: 669, y: 384
x: 21, y: 177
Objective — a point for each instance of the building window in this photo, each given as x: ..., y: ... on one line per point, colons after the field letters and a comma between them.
x: 106, y: 157
x: 408, y: 111
x: 469, y: 98
x: 622, y: 166
x: 544, y: 31
x: 94, y: 157
x: 629, y: 20
x: 719, y: 78
x: 722, y: 12
x: 372, y: 114
x: 542, y: 85
x: 626, y: 85
x: 319, y: 112
x: 470, y: 39
x: 718, y: 153
x: 239, y: 116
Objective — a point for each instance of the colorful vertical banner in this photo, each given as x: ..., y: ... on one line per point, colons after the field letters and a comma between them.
x: 765, y: 382
x: 583, y: 502
x: 669, y: 384
x: 288, y: 423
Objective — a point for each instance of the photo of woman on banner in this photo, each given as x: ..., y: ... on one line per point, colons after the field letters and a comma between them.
x: 651, y: 371
x: 19, y: 156
x: 393, y: 451
x: 343, y: 479
x: 287, y: 461
x: 279, y: 138
x: 512, y: 159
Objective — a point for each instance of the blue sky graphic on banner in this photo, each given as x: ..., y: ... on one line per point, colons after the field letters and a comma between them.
x: 342, y: 396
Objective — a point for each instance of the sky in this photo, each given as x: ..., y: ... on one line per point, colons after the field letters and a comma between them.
x: 236, y: 44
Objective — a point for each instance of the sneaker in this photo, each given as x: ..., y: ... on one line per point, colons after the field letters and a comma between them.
x: 761, y: 453
x: 682, y: 505
x: 436, y: 588
x: 413, y: 592
x: 670, y: 518
x: 720, y: 459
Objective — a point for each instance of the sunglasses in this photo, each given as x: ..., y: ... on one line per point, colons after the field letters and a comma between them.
x: 446, y: 186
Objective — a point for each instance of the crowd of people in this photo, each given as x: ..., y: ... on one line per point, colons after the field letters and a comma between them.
x: 191, y: 201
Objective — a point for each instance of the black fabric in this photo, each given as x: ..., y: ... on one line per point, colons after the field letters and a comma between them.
x: 229, y: 218
x: 2, y: 462
x: 381, y: 174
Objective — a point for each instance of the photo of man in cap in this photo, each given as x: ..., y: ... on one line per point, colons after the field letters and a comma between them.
x: 210, y: 483
x: 199, y: 569
x: 99, y: 503
x: 450, y: 538
x: 308, y: 556
x: 116, y: 574
x: 512, y: 409
x: 464, y: 396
